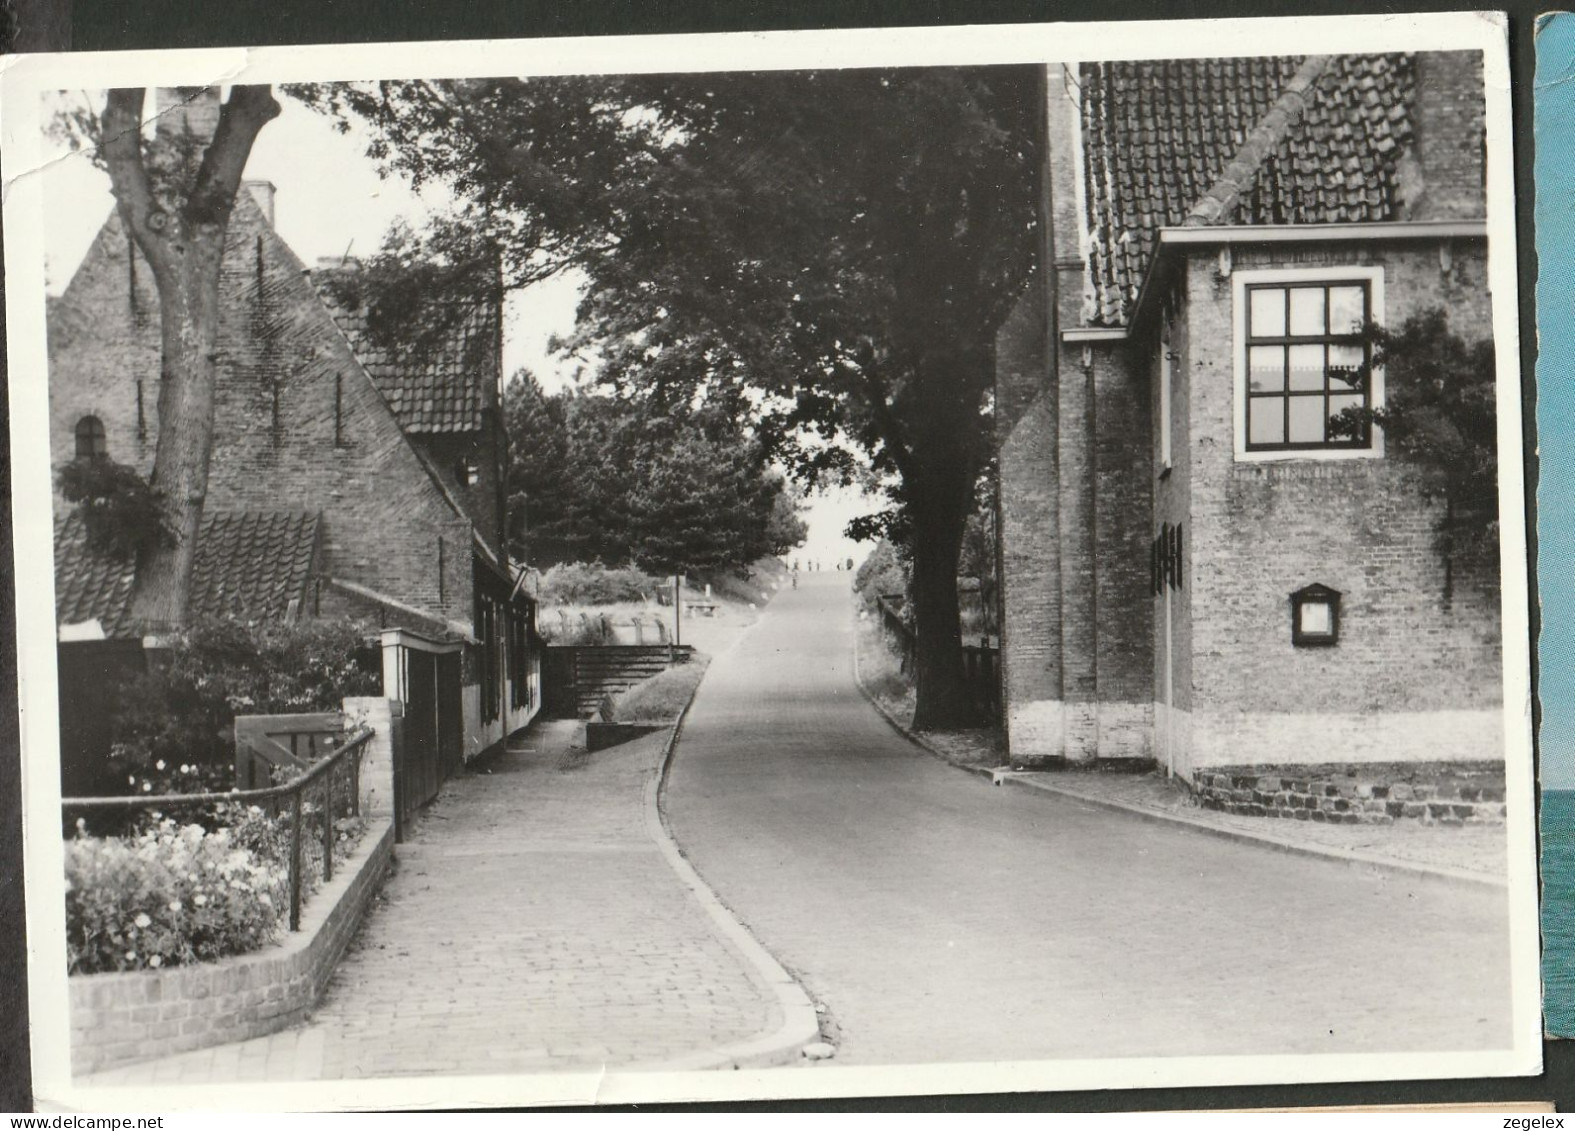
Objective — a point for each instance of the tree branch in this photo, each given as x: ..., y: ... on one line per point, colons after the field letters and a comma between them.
x: 242, y: 117
x: 121, y: 127
x: 891, y: 429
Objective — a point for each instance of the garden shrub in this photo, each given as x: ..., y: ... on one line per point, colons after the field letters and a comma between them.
x: 170, y: 896
x: 174, y: 724
x: 122, y: 513
x: 581, y: 583
x: 173, y: 894
x: 884, y: 573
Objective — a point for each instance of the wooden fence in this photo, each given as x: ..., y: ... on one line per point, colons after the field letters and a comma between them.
x: 576, y: 677
x: 981, y: 661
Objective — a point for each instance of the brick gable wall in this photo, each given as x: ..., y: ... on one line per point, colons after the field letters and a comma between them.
x: 1417, y: 671
x: 285, y: 374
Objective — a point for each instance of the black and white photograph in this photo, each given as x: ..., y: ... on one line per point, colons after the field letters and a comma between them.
x: 771, y: 566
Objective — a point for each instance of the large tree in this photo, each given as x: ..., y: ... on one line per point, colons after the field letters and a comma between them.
x: 174, y: 193
x: 619, y: 481
x: 829, y: 253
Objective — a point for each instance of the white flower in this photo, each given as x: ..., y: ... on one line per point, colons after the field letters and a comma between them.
x: 143, y: 920
x: 155, y: 961
x: 200, y: 900
x: 147, y: 787
x: 159, y: 765
x: 132, y: 778
x: 131, y: 956
x: 174, y: 905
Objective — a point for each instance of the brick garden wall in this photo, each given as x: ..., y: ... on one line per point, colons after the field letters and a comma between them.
x: 145, y: 1014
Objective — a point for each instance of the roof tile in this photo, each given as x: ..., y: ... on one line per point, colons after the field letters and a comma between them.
x: 1176, y: 125
x: 249, y: 563
x: 445, y: 388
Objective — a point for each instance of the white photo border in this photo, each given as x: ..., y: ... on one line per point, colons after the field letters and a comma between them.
x: 24, y: 79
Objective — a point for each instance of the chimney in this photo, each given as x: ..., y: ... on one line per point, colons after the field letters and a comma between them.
x: 1447, y: 165
x: 263, y: 193
x: 187, y: 112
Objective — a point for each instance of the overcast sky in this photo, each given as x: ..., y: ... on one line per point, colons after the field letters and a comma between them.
x: 330, y: 201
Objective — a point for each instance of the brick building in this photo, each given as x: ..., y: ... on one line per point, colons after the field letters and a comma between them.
x: 1196, y: 572
x: 344, y: 479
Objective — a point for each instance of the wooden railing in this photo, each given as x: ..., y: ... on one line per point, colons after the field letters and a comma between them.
x: 981, y: 661
x: 334, y: 784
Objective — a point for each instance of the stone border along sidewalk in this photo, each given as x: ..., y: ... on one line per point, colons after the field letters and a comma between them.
x: 800, y: 1022
x: 1038, y: 781
x: 129, y: 1018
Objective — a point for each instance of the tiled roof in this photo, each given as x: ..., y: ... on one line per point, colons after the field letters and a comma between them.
x: 253, y: 563
x: 89, y: 585
x: 1159, y: 136
x: 439, y: 388
x: 249, y: 563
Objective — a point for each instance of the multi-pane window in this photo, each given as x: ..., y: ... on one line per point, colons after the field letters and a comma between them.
x: 1307, y: 362
x: 91, y: 442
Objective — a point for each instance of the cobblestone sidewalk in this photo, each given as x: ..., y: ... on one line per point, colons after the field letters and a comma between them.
x: 531, y: 924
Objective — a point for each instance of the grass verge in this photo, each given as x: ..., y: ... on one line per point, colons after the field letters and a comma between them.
x: 660, y: 698
x: 880, y: 672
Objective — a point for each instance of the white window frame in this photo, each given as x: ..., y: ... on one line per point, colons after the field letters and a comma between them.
x: 1373, y: 276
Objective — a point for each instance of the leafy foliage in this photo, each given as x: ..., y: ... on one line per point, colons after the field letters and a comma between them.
x: 172, y: 894
x: 168, y: 897
x: 829, y: 253
x: 173, y: 727
x: 882, y: 574
x: 123, y: 514
x: 1440, y: 413
x: 578, y: 583
x: 622, y: 481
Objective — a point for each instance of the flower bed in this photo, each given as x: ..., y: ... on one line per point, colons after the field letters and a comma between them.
x: 173, y: 895
x: 133, y: 1015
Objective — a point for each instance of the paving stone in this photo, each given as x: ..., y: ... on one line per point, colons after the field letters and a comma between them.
x: 530, y: 924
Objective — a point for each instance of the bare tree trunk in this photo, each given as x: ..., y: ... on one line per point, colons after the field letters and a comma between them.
x: 178, y: 220
x: 939, y: 490
x: 942, y: 698
x: 187, y: 379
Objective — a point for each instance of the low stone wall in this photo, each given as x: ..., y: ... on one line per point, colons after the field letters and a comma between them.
x: 1437, y: 794
x: 144, y: 1014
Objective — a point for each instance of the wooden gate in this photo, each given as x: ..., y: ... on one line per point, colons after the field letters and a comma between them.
x: 434, y: 727
x: 417, y: 773
x: 266, y: 744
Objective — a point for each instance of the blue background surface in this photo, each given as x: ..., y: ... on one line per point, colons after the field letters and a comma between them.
x: 1555, y: 204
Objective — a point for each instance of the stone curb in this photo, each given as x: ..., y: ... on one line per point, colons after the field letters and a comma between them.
x: 800, y: 1023
x: 1352, y: 857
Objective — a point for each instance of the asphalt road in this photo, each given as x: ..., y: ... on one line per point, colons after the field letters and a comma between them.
x: 939, y: 918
